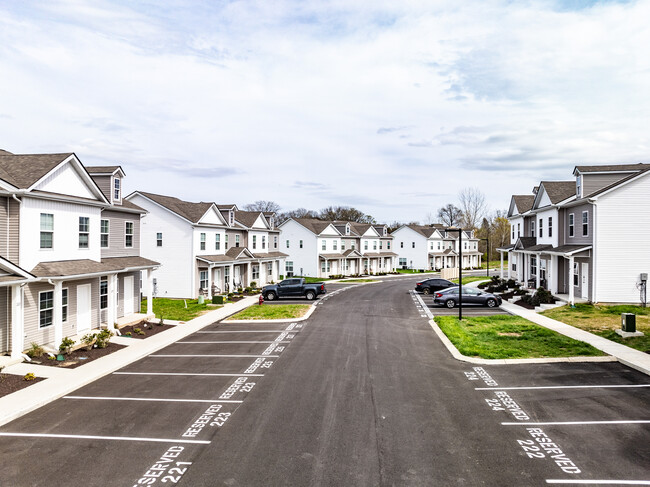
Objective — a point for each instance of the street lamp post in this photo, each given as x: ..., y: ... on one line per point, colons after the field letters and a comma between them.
x: 460, y: 270
x: 487, y: 273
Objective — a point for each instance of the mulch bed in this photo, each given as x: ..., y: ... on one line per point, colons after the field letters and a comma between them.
x: 149, y: 329
x: 506, y: 296
x: 78, y: 357
x: 11, y: 383
x: 524, y: 305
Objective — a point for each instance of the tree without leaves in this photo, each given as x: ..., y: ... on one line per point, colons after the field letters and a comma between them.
x: 263, y: 205
x: 345, y: 213
x: 298, y: 213
x: 472, y: 206
x: 449, y: 215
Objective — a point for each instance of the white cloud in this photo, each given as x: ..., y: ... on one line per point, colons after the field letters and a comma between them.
x: 391, y: 106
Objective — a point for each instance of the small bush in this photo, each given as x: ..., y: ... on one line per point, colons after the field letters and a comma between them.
x: 253, y: 284
x: 543, y: 296
x: 138, y: 331
x: 35, y: 351
x: 29, y: 376
x: 511, y: 283
x: 66, y: 344
x: 89, y: 340
x: 248, y: 290
x: 103, y: 337
x: 161, y: 322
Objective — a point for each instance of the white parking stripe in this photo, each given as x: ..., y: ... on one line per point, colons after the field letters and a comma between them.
x: 523, y: 388
x: 238, y: 341
x: 250, y: 331
x: 230, y: 356
x: 149, y: 399
x: 597, y: 482
x: 112, y: 438
x: 578, y: 423
x: 188, y: 374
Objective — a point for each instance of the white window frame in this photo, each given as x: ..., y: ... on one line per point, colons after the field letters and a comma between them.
x: 323, y: 244
x: 550, y: 226
x: 576, y: 274
x: 263, y: 242
x: 84, y: 232
x: 103, y: 280
x: 237, y: 240
x: 203, y: 238
x: 585, y: 223
x: 203, y: 280
x: 47, y: 231
x: 65, y: 299
x: 128, y: 237
x: 541, y: 228
x: 42, y: 310
x: 255, y: 272
x: 572, y: 225
x: 117, y: 189
x: 254, y: 242
x: 104, y: 234
x: 217, y: 241
x: 159, y: 239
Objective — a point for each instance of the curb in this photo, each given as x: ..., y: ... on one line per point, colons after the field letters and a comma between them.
x: 310, y: 311
x: 30, y: 398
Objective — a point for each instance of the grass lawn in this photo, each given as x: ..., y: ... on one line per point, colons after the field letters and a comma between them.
x: 503, y: 336
x: 311, y: 280
x: 271, y: 312
x: 174, y: 309
x: 603, y: 320
x: 468, y: 279
x: 494, y: 264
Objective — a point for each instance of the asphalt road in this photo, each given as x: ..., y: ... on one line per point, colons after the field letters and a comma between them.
x: 363, y: 393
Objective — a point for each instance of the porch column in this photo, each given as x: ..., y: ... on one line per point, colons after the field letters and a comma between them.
x: 209, y: 286
x: 57, y: 315
x: 231, y: 278
x: 149, y: 291
x: 550, y: 276
x: 112, y: 298
x: 539, y: 268
x: 17, y: 321
x: 571, y: 290
x: 501, y: 270
x: 510, y: 265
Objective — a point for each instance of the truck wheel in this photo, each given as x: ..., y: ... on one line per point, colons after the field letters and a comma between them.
x: 450, y: 303
x: 270, y: 296
x: 311, y: 295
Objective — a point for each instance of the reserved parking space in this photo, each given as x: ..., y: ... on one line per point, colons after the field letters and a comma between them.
x: 572, y: 419
x: 178, y: 398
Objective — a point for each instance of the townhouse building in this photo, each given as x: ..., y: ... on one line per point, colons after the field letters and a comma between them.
x: 435, y: 247
x: 205, y: 248
x: 573, y: 237
x: 70, y: 250
x: 318, y: 248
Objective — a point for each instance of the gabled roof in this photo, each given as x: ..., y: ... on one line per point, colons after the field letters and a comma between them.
x: 612, y: 168
x: 524, y: 243
x: 80, y: 267
x: 247, y: 218
x: 13, y: 274
x: 104, y: 170
x: 313, y: 225
x: 186, y: 209
x: 524, y: 202
x: 227, y: 207
x: 559, y: 191
x: 23, y: 170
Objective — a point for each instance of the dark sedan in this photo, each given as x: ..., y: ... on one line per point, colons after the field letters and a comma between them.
x: 431, y: 285
x: 471, y: 296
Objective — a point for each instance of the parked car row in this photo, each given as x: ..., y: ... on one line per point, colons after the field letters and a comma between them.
x: 445, y: 293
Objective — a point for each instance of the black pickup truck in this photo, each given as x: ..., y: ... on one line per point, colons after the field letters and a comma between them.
x: 292, y: 288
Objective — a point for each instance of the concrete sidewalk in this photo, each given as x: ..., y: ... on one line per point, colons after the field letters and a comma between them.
x: 63, y: 381
x: 632, y: 358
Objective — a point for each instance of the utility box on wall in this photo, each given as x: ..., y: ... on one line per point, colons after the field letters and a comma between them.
x: 628, y: 322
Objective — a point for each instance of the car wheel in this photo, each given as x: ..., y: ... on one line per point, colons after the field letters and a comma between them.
x: 426, y: 290
x: 311, y: 295
x: 270, y: 296
x: 491, y: 303
x: 450, y: 303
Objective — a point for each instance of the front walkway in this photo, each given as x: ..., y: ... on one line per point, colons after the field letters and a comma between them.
x: 632, y: 358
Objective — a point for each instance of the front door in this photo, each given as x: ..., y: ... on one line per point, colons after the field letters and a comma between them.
x: 83, y: 308
x: 128, y: 295
x: 237, y: 276
x: 585, y: 281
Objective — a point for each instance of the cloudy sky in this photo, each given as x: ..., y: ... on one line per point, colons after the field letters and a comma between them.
x: 389, y: 106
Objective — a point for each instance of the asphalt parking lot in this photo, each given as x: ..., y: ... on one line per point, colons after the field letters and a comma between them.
x: 145, y: 423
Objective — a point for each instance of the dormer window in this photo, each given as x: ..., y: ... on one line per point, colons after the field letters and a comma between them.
x: 385, y: 232
x: 579, y: 186
x: 272, y: 222
x: 231, y: 217
x: 347, y: 229
x: 117, y: 189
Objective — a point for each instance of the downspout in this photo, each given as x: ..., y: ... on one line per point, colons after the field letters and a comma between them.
x: 13, y: 195
x: 593, y: 250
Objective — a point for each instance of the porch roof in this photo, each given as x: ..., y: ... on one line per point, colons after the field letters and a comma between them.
x: 505, y: 249
x: 536, y: 249
x: 12, y: 274
x: 379, y: 254
x: 271, y: 255
x: 86, y: 267
x: 569, y: 250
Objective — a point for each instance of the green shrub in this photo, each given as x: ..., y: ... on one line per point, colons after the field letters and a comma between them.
x: 29, y: 376
x: 89, y: 340
x: 248, y: 290
x: 253, y: 284
x: 66, y: 344
x: 35, y: 350
x: 103, y: 337
x: 138, y: 331
x: 543, y: 296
